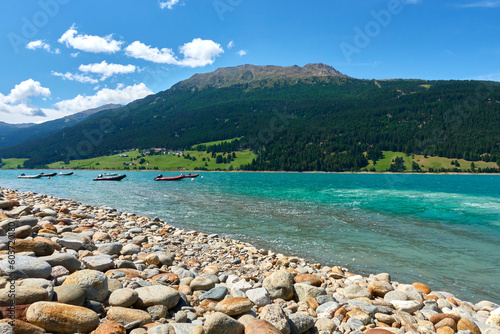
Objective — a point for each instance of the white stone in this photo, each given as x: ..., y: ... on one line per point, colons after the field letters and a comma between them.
x: 259, y: 296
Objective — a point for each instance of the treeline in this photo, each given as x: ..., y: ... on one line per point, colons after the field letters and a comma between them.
x: 296, y: 127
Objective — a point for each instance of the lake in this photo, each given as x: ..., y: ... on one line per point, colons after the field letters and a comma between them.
x: 441, y: 230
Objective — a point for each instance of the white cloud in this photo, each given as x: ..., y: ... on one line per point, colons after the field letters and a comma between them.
x: 482, y: 4
x: 74, y: 55
x: 241, y: 53
x: 412, y: 2
x: 76, y: 77
x: 107, y: 70
x: 89, y: 43
x: 18, y: 102
x: 196, y: 53
x: 39, y: 44
x: 168, y: 4
x: 142, y: 51
x: 230, y: 45
x: 200, y: 52
x: 489, y: 77
x: 121, y: 95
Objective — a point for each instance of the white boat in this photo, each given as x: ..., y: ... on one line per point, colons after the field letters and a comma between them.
x: 23, y: 176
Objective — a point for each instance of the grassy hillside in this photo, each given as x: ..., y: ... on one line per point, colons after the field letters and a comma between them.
x: 202, y: 160
x: 12, y: 163
x: 426, y: 163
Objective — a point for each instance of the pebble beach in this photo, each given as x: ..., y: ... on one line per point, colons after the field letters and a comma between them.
x: 68, y: 267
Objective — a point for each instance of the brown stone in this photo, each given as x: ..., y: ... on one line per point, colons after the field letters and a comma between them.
x: 431, y: 297
x: 19, y: 311
x: 311, y: 278
x: 379, y: 288
x: 23, y: 327
x: 152, y: 259
x: 378, y: 331
x: 447, y: 322
x: 193, y: 262
x: 445, y: 330
x: 435, y: 318
x: 312, y: 303
x: 261, y: 327
x: 39, y: 248
x: 62, y: 318
x: 422, y: 288
x: 465, y: 324
x: 211, y: 270
x: 44, y: 230
x: 123, y: 314
x: 110, y: 327
x: 234, y: 306
x: 49, y: 226
x: 100, y: 236
x: 185, y: 289
x: 452, y: 300
x: 48, y: 241
x: 205, y: 303
x: 129, y: 273
x: 169, y: 278
x: 341, y: 311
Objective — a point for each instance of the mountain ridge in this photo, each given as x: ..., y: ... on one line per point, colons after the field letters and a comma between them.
x: 248, y: 74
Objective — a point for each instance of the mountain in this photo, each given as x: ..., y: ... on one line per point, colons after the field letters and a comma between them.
x: 259, y: 76
x: 295, y: 118
x: 16, y: 134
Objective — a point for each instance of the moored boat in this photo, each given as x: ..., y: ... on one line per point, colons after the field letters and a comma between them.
x: 102, y: 177
x: 65, y: 174
x: 171, y: 178
x: 191, y: 176
x: 110, y: 174
x: 23, y: 176
x: 48, y: 175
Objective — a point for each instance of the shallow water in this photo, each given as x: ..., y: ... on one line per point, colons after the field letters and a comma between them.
x: 442, y: 230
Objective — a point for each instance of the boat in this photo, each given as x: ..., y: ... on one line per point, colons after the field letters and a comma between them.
x: 23, y: 176
x: 171, y: 178
x: 103, y: 177
x: 110, y: 174
x: 65, y: 174
x: 48, y: 175
x: 189, y: 176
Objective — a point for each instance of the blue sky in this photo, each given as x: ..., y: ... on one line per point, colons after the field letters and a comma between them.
x: 59, y: 57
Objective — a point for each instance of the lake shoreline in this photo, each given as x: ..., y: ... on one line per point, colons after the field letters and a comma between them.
x: 318, y: 292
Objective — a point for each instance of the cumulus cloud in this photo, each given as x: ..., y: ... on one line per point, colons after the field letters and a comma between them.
x: 200, y: 52
x: 142, y: 51
x: 39, y: 44
x: 107, y: 70
x: 122, y: 94
x: 230, y: 45
x: 89, y: 43
x: 76, y: 77
x: 241, y: 53
x: 196, y: 53
x: 168, y: 4
x: 19, y: 102
x: 481, y: 4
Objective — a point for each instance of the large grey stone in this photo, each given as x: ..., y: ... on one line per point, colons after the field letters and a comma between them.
x: 277, y: 317
x: 202, y: 283
x: 305, y: 291
x: 300, y: 323
x: 66, y: 260
x: 279, y: 285
x: 100, y: 262
x: 259, y: 296
x: 95, y: 283
x: 130, y: 249
x: 32, y: 267
x: 157, y: 295
x: 218, y: 293
x: 112, y: 248
x: 123, y: 297
x: 355, y: 291
x: 71, y: 294
x: 219, y: 323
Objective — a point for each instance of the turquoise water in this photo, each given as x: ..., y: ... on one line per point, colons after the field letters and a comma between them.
x: 442, y: 230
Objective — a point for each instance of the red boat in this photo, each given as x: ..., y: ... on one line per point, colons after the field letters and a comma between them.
x: 172, y: 178
x: 191, y: 176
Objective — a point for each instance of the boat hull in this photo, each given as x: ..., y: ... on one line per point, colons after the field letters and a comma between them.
x: 29, y: 177
x: 173, y: 178
x: 110, y: 178
x: 65, y: 174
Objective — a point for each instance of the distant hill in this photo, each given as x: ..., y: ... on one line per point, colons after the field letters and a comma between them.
x: 294, y: 118
x: 16, y: 134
